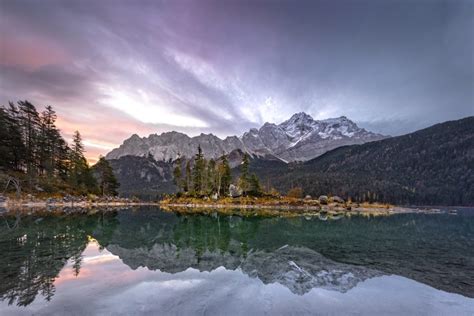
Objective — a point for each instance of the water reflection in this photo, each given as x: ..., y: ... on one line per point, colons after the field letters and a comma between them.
x: 300, y: 254
x: 35, y: 249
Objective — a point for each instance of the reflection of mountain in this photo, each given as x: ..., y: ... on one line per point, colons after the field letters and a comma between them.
x: 433, y: 249
x: 298, y: 268
x: 437, y: 250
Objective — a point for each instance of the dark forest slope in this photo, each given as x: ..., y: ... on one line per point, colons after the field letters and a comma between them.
x: 143, y: 177
x: 433, y: 166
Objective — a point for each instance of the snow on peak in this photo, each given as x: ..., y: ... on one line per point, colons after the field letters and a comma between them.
x: 298, y: 119
x: 298, y: 138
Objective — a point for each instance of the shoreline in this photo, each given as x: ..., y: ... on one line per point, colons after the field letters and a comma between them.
x: 83, y: 204
x: 293, y: 209
x: 280, y: 209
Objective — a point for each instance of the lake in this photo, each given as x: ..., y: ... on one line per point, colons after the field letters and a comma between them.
x: 147, y: 261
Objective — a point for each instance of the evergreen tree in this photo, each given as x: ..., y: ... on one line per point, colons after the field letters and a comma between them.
x: 62, y: 158
x: 33, y: 149
x: 15, y: 137
x: 254, y: 184
x: 204, y: 181
x: 107, y: 182
x: 211, y: 176
x: 244, y: 181
x: 30, y: 125
x: 177, y: 174
x: 198, y: 171
x: 48, y: 141
x: 224, y: 176
x: 11, y: 146
x: 81, y: 177
x: 187, y: 182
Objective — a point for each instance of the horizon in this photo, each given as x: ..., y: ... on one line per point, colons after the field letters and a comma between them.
x: 223, y: 68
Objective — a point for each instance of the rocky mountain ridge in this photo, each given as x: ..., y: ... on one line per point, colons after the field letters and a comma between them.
x: 432, y: 166
x: 299, y: 138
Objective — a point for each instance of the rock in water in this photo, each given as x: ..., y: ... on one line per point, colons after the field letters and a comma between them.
x: 337, y: 199
x: 323, y: 199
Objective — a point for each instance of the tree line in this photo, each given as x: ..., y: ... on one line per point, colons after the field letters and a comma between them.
x: 203, y: 177
x: 33, y: 152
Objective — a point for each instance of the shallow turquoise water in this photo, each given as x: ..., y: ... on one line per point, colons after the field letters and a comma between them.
x: 152, y: 262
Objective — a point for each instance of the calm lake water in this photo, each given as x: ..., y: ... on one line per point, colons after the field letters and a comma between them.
x: 146, y: 261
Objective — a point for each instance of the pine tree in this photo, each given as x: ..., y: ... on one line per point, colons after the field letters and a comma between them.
x: 15, y: 136
x: 11, y: 146
x: 198, y: 170
x: 30, y: 124
x: 244, y: 181
x: 255, y: 187
x: 211, y: 176
x: 32, y: 148
x: 187, y: 182
x: 177, y: 174
x: 204, y: 180
x: 107, y: 182
x: 48, y: 141
x: 81, y: 177
x: 224, y: 176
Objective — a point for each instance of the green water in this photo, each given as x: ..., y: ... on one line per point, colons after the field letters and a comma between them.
x: 300, y: 254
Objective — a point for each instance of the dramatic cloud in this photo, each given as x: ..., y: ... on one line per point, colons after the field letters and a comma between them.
x: 114, y: 68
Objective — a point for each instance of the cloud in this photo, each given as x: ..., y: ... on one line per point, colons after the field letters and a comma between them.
x: 223, y: 67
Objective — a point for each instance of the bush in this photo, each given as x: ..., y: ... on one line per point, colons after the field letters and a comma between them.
x: 295, y: 193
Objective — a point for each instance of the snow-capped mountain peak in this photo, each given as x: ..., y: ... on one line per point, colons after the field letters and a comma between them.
x: 298, y: 138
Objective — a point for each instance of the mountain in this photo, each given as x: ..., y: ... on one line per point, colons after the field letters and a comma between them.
x: 433, y: 166
x: 298, y: 139
x: 143, y: 177
x: 147, y: 178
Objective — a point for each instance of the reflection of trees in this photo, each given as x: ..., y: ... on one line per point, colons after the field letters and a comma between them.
x: 35, y: 249
x: 434, y: 249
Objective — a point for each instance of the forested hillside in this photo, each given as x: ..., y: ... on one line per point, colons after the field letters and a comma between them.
x: 433, y: 166
x: 35, y: 158
x: 143, y: 177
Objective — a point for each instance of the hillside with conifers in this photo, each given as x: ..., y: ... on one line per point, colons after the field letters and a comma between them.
x: 433, y: 166
x: 36, y: 159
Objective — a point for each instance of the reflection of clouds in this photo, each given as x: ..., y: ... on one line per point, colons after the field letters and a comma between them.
x: 300, y: 269
x: 112, y: 288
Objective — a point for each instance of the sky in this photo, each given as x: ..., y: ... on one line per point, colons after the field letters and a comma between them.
x: 114, y: 68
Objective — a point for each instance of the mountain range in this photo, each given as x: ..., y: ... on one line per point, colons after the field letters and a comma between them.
x: 432, y: 166
x: 299, y: 138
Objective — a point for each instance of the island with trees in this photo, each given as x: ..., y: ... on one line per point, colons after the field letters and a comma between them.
x: 207, y: 185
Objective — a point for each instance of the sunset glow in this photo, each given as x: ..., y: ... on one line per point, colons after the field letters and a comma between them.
x: 223, y: 68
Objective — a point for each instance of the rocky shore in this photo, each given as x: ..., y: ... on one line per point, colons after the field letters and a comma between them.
x: 67, y: 201
x: 283, y: 206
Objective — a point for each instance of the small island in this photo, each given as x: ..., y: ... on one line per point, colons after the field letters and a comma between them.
x: 207, y: 186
